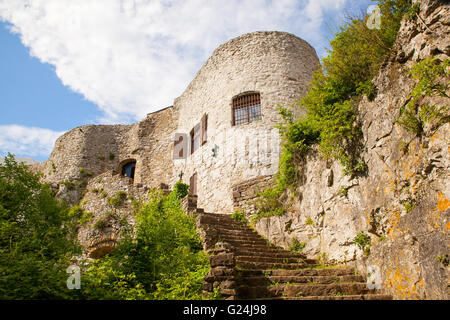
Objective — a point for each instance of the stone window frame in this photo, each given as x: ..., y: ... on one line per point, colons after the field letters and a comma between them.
x: 246, y: 105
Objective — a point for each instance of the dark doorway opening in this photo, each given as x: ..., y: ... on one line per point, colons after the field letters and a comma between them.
x: 128, y: 169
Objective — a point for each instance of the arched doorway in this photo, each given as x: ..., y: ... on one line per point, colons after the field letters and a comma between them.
x: 128, y: 168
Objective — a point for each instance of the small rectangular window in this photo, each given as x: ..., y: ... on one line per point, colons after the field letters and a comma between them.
x: 246, y: 108
x: 196, y: 135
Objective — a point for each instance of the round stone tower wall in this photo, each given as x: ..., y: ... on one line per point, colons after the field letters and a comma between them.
x: 277, y: 65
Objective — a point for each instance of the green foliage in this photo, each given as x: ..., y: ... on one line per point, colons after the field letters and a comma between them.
x: 162, y: 260
x: 79, y: 216
x: 100, y: 224
x: 329, y: 115
x: 112, y: 156
x: 239, y: 216
x: 118, y: 199
x: 36, y: 236
x: 363, y: 241
x: 297, y: 246
x: 413, y: 11
x: 69, y: 184
x: 343, y: 191
x: 267, y: 203
x: 180, y: 189
x: 82, y: 170
x: 443, y: 259
x: 432, y: 76
x: 101, y: 158
x: 409, y: 205
x: 309, y: 221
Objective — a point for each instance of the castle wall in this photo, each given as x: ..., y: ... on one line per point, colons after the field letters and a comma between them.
x: 279, y: 66
x: 83, y: 153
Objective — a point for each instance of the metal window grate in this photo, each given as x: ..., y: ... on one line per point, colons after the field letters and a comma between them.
x: 246, y: 108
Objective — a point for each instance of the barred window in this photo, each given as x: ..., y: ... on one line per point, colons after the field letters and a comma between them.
x: 246, y: 108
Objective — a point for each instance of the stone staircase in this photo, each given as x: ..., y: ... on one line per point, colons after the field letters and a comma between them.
x: 246, y: 266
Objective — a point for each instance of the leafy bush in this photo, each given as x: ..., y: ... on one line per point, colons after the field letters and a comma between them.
x: 309, y: 221
x: 118, y: 199
x: 329, y: 115
x: 180, y: 189
x: 239, y: 216
x: 37, y: 236
x: 343, y: 191
x: 363, y: 241
x: 79, y: 216
x: 431, y: 75
x: 297, y: 246
x: 162, y: 260
x: 267, y: 203
x: 69, y: 184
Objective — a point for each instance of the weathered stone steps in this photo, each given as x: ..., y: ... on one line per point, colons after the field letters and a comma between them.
x: 247, y: 266
x: 271, y: 253
x: 302, y: 290
x: 271, y: 259
x: 342, y: 271
x: 270, y: 280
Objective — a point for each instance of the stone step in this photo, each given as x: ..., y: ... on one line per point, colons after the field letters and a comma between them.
x: 302, y: 290
x: 237, y: 233
x: 248, y: 265
x: 241, y: 258
x: 257, y: 242
x: 243, y: 241
x: 271, y: 280
x: 336, y: 271
x: 250, y: 238
x: 271, y: 253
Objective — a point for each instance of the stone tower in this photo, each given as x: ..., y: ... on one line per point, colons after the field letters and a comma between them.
x: 234, y: 97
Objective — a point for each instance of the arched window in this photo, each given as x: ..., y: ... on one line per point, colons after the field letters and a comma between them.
x: 128, y: 168
x: 246, y: 108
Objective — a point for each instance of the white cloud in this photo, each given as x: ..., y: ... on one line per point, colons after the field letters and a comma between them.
x: 131, y: 57
x: 27, y: 141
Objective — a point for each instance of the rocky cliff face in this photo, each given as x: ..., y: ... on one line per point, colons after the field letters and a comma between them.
x: 402, y: 202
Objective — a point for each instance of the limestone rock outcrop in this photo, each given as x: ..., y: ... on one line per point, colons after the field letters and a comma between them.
x: 402, y: 202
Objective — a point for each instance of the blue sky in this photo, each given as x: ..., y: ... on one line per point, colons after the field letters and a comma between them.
x: 68, y: 63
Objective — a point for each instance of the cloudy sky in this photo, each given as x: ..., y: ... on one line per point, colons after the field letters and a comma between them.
x: 66, y: 63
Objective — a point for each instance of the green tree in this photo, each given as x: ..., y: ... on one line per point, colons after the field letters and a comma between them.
x: 163, y: 259
x: 36, y: 236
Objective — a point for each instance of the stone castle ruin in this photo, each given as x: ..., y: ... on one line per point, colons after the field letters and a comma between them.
x: 225, y: 119
x: 218, y: 136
